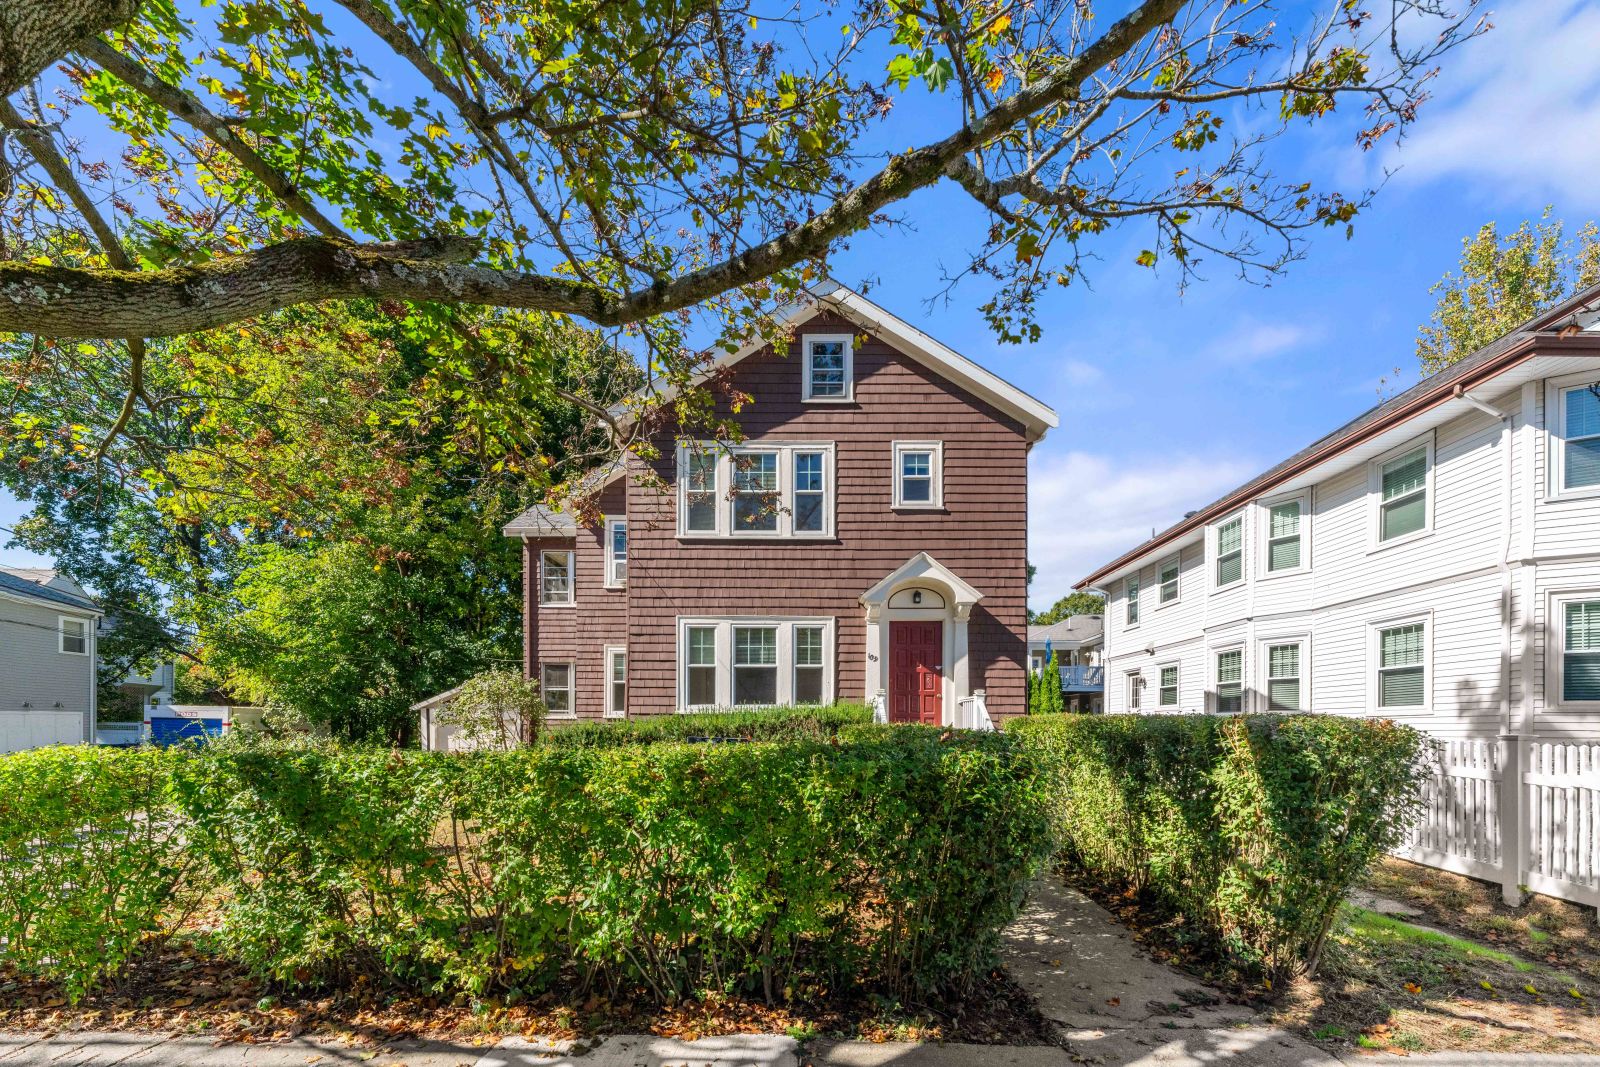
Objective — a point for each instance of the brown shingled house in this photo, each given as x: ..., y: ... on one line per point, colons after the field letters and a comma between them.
x: 867, y: 542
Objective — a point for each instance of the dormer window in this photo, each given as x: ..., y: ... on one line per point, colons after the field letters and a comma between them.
x: 828, y: 368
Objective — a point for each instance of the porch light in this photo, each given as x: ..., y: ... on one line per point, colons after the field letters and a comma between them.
x: 916, y: 596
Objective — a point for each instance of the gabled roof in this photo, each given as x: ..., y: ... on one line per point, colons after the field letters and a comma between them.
x: 1074, y: 630
x: 1035, y: 416
x: 922, y: 567
x: 1513, y: 348
x: 35, y: 583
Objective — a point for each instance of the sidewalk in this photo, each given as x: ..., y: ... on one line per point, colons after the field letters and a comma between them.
x: 1115, y: 1005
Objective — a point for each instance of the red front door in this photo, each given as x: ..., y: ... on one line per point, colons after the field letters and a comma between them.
x: 916, y: 672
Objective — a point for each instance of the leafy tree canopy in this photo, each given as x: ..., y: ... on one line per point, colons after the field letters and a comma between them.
x: 1502, y: 282
x: 308, y: 505
x: 650, y: 165
x: 1071, y: 604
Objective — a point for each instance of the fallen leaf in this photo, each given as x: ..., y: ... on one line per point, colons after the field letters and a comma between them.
x: 1413, y: 988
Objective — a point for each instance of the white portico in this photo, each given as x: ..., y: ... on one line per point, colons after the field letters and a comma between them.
x: 917, y: 618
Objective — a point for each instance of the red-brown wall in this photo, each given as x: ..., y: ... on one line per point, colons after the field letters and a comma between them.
x: 980, y: 534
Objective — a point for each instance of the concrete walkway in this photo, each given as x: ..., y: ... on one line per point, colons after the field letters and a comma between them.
x: 1116, y: 1008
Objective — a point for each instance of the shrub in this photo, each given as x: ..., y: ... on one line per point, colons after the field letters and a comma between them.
x: 881, y: 859
x: 91, y: 860
x: 1252, y: 828
x: 495, y: 709
x: 777, y: 724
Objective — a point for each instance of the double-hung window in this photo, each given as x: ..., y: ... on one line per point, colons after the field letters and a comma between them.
x: 747, y: 662
x: 775, y: 490
x: 1402, y: 666
x: 1169, y: 580
x: 828, y: 372
x: 808, y: 665
x: 1167, y: 696
x: 700, y: 666
x: 1580, y: 651
x: 1283, y: 677
x: 1230, y: 681
x: 756, y: 497
x: 556, y: 580
x: 1284, y: 548
x: 616, y: 682
x: 1131, y: 612
x: 74, y: 636
x: 698, y: 481
x: 1403, y: 495
x: 616, y: 553
x: 555, y: 686
x: 918, y: 474
x: 1229, y: 551
x: 1579, y: 449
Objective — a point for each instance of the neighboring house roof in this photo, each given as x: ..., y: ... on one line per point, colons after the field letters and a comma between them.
x: 37, y: 583
x: 1505, y: 352
x: 1072, y: 630
x: 437, y: 700
x: 1035, y: 416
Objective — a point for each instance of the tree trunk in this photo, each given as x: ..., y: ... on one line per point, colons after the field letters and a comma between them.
x: 37, y: 33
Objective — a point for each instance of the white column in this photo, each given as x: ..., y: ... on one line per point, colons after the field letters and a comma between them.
x: 874, y: 652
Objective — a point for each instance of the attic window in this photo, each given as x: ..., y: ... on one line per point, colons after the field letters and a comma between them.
x: 828, y: 367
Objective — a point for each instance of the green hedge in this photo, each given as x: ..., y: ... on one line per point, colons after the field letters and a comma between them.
x: 887, y: 861
x: 778, y: 724
x: 1252, y: 828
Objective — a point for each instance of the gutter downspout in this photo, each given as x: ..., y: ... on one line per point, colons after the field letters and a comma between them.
x: 1503, y: 562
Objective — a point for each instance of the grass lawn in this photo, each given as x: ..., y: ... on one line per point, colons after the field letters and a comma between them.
x: 1437, y: 980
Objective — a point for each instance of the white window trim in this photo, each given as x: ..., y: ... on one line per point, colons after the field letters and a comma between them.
x: 611, y: 523
x: 1176, y: 557
x: 1213, y: 539
x: 61, y: 635
x: 1375, y: 496
x: 1556, y: 651
x: 612, y: 711
x: 572, y: 578
x: 849, y: 341
x: 572, y: 687
x: 1177, y: 687
x: 1264, y: 670
x: 1374, y: 660
x: 935, y: 475
x: 1133, y: 682
x: 724, y: 626
x: 1213, y: 693
x: 1264, y: 531
x: 721, y: 491
x: 1138, y: 580
x: 1555, y: 436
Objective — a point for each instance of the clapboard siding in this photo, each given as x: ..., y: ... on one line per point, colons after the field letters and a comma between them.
x: 1483, y: 578
x: 35, y: 672
x: 980, y: 533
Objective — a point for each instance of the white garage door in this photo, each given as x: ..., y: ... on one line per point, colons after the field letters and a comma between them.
x: 34, y: 729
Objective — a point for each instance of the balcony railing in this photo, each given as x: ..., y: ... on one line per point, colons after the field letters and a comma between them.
x: 1083, y: 679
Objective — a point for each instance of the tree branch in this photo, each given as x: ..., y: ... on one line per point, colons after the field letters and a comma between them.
x: 36, y: 33
x: 186, y: 107
x: 43, y: 151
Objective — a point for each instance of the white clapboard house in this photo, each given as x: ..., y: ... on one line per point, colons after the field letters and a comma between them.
x: 1435, y: 561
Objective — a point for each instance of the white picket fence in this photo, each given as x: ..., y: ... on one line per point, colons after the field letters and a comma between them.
x: 1521, y: 811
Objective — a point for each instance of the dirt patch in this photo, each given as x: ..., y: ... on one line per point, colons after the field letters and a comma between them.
x: 180, y: 988
x: 1410, y: 984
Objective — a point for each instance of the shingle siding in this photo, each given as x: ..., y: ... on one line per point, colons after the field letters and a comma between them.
x: 980, y: 533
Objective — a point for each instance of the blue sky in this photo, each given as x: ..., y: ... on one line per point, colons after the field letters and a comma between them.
x: 1168, y: 400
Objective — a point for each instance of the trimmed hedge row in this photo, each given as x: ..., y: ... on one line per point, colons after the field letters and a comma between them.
x: 888, y: 860
x: 1253, y: 828
x: 779, y: 724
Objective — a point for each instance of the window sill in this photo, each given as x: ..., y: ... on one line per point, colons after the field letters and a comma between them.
x: 559, y: 604
x: 836, y: 401
x: 1562, y: 496
x: 918, y: 507
x: 1227, y: 588
x: 617, y: 587
x: 1396, y: 542
x: 812, y: 537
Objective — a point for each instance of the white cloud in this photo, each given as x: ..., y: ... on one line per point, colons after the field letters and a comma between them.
x: 1080, y: 375
x: 1085, y: 509
x: 1251, y: 341
x: 1515, y: 107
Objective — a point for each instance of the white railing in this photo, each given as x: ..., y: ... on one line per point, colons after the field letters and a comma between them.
x: 880, y: 707
x: 1522, y: 811
x: 978, y: 713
